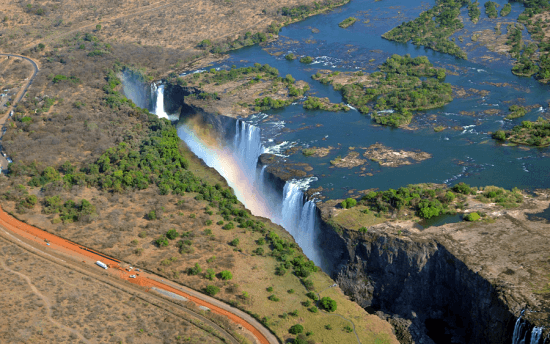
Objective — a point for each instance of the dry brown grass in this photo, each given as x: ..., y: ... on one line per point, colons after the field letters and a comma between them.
x: 95, y: 311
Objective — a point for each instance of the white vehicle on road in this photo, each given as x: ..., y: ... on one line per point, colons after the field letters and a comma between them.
x: 103, y: 265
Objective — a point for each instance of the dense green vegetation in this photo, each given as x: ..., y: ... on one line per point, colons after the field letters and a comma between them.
x: 347, y: 22
x: 491, y: 9
x: 303, y: 11
x: 527, y: 133
x: 314, y: 103
x: 290, y: 57
x: 529, y: 61
x: 474, y: 11
x: 516, y: 112
x: 306, y: 59
x: 429, y: 200
x: 397, y: 86
x: 506, y: 10
x: 433, y: 28
x: 267, y: 103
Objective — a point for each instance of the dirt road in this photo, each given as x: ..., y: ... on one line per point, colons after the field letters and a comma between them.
x: 50, y: 244
x: 18, y: 97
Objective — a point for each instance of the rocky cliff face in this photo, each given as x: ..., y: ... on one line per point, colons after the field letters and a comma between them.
x: 456, y: 283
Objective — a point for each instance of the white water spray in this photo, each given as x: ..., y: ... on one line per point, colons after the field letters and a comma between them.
x: 159, y: 104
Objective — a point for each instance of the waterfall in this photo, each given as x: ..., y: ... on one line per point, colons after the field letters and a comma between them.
x: 523, y: 334
x: 159, y: 104
x: 536, y: 335
x: 237, y: 161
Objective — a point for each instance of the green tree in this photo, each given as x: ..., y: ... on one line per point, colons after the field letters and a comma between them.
x: 226, y: 275
x: 210, y: 274
x: 172, y: 234
x: 98, y: 27
x: 328, y: 304
x: 296, y: 329
x: 211, y: 290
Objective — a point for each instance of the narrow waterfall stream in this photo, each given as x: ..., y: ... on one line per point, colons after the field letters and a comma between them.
x: 237, y: 161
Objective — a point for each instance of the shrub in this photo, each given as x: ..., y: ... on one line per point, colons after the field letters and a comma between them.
x: 308, y: 284
x: 472, y: 217
x: 349, y: 203
x: 162, y: 241
x: 260, y: 241
x: 328, y: 327
x: 269, y: 289
x: 226, y: 275
x: 152, y: 215
x: 273, y: 298
x: 172, y: 234
x: 348, y: 329
x: 328, y: 304
x: 290, y: 57
x: 296, y: 329
x: 312, y: 296
x: 211, y: 290
x: 314, y: 309
x: 234, y: 242
x: 229, y: 226
x: 210, y: 274
x: 195, y: 270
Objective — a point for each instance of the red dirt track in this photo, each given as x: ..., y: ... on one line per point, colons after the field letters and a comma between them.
x: 79, y: 252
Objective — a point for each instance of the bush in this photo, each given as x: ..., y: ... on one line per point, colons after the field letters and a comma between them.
x: 162, y: 241
x: 211, y: 290
x: 172, y: 234
x: 234, y: 242
x: 195, y: 270
x: 312, y: 296
x: 296, y: 329
x: 349, y: 203
x: 152, y: 215
x: 290, y: 57
x: 210, y: 274
x: 472, y: 217
x: 328, y: 304
x: 273, y: 298
x: 226, y: 275
x: 229, y: 226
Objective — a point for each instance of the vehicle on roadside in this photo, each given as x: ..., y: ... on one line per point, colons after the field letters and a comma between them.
x: 103, y: 265
x: 9, y: 160
x: 132, y: 276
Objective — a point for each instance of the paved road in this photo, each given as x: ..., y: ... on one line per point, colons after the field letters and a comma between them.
x: 18, y: 97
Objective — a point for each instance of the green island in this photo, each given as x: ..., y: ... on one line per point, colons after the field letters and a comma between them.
x: 433, y: 28
x: 506, y: 10
x: 395, y: 90
x: 314, y: 103
x: 242, y: 85
x: 306, y: 59
x: 474, y: 12
x: 491, y: 9
x: 516, y: 111
x: 421, y: 201
x: 347, y: 22
x: 527, y: 133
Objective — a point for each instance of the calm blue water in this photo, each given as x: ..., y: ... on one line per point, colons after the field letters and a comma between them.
x: 466, y: 155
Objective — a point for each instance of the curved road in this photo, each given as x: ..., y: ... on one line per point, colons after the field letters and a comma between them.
x: 44, y: 242
x: 18, y: 97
